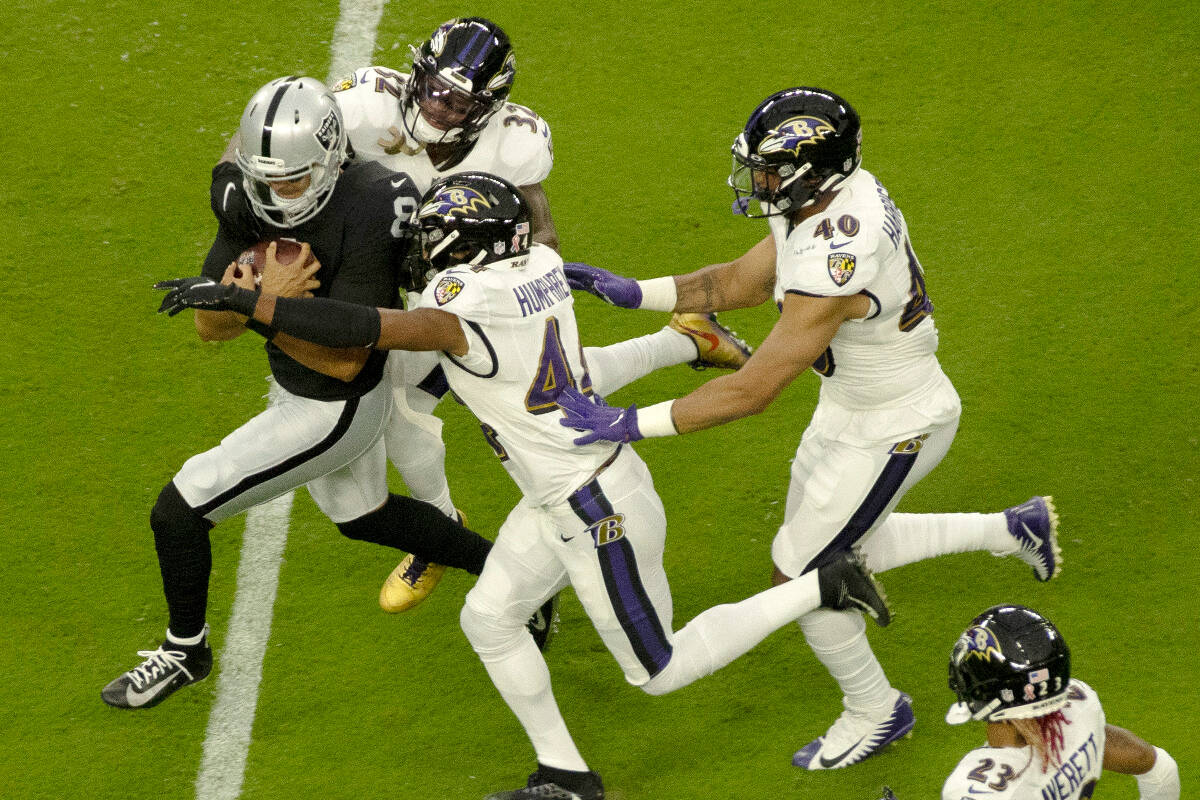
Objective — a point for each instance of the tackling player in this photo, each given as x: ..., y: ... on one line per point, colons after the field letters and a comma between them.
x: 501, y: 315
x: 838, y: 264
x: 1046, y: 731
x: 449, y: 115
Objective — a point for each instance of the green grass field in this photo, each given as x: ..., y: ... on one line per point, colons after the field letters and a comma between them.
x: 1045, y: 157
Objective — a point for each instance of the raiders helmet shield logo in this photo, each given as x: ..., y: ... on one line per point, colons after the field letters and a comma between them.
x: 792, y: 134
x: 841, y: 267
x: 331, y: 128
x: 447, y: 289
x: 452, y: 200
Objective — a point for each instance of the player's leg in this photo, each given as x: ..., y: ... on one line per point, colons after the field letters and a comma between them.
x: 414, y: 446
x: 1028, y: 531
x: 838, y: 493
x: 698, y: 339
x: 414, y: 434
x: 355, y: 497
x: 294, y: 441
x: 615, y: 532
x: 521, y: 573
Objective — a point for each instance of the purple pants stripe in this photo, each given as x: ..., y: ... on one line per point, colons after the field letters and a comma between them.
x: 891, y: 477
x: 618, y: 564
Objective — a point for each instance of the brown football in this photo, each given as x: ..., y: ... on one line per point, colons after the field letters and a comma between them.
x: 255, y: 257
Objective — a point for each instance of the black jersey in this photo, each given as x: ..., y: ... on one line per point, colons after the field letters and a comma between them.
x: 360, y: 237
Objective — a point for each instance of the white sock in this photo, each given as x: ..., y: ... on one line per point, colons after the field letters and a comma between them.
x: 622, y: 363
x: 904, y: 538
x: 1162, y: 781
x: 721, y: 634
x: 839, y: 641
x: 189, y: 640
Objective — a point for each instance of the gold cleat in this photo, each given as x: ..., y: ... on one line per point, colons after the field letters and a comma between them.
x: 717, y: 345
x: 412, y: 581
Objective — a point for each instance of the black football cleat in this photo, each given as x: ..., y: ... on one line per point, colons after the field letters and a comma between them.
x: 556, y: 784
x: 165, y: 670
x: 846, y: 582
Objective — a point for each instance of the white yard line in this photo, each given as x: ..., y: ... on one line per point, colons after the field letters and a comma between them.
x: 239, y: 664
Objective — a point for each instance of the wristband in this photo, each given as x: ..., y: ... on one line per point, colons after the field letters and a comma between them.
x: 656, y: 420
x: 262, y: 329
x: 659, y: 294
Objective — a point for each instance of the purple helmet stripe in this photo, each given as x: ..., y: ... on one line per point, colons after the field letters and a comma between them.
x: 476, y: 60
x: 864, y: 517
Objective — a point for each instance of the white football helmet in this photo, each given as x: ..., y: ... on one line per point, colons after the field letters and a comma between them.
x: 291, y: 129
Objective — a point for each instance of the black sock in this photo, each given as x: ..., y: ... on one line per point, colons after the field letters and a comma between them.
x: 184, y: 559
x: 421, y: 529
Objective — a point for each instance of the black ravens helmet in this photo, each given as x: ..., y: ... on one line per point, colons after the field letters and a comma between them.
x: 472, y: 218
x: 797, y: 145
x: 461, y: 76
x: 1011, y: 663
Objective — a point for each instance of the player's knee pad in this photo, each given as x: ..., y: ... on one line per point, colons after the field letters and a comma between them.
x: 488, y: 634
x: 172, y: 516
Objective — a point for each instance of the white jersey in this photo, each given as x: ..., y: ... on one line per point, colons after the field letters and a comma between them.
x: 1014, y: 773
x: 519, y: 319
x: 515, y: 144
x: 859, y: 245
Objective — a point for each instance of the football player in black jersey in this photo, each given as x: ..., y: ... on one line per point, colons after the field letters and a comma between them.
x: 324, y: 426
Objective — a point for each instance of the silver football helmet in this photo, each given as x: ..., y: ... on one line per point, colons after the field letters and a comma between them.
x: 293, y: 143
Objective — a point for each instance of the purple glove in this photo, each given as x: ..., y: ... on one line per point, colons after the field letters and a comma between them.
x: 602, y: 423
x: 609, y: 287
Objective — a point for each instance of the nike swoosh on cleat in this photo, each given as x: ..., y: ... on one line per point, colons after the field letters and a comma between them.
x: 1037, y: 540
x: 135, y: 698
x: 829, y: 762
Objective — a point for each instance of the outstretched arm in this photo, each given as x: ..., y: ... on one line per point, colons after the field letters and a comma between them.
x: 332, y: 323
x: 801, y: 335
x: 747, y: 281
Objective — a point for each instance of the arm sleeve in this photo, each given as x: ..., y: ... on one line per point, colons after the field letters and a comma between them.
x: 332, y: 323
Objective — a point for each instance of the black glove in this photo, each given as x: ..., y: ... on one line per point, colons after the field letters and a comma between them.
x: 207, y: 294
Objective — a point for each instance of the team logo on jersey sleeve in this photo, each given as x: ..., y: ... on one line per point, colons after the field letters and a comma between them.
x: 447, y: 289
x: 792, y: 134
x: 841, y: 267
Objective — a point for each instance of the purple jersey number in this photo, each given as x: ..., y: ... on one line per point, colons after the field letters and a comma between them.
x: 553, y: 373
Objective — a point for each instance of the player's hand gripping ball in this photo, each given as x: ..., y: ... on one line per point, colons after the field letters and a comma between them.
x: 255, y: 257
